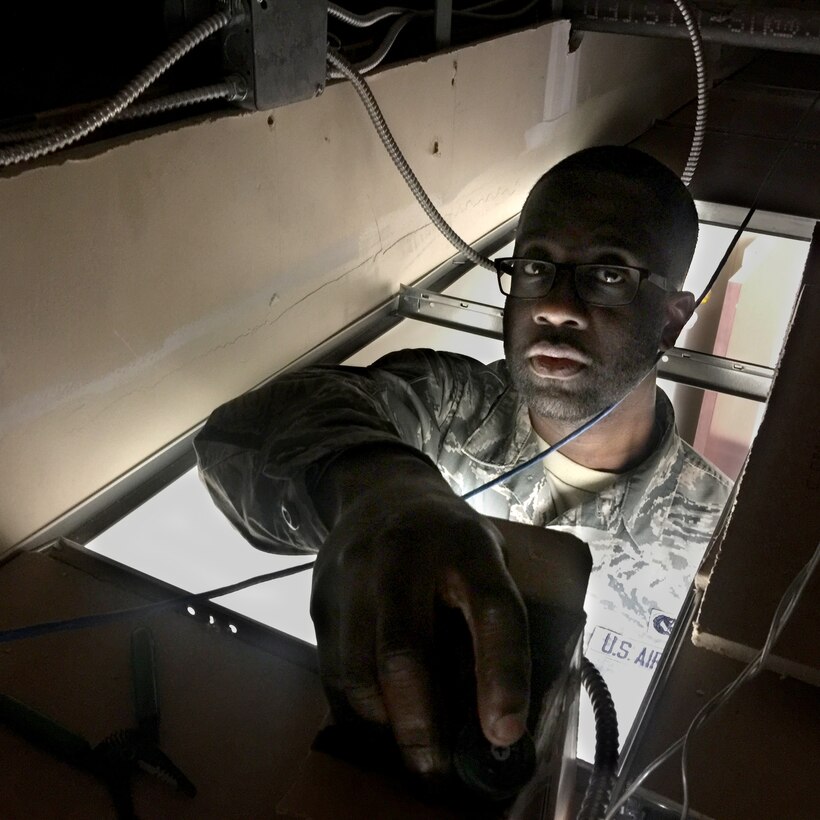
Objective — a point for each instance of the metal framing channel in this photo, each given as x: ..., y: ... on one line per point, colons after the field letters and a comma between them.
x: 749, y: 381
x: 768, y: 222
x: 264, y: 637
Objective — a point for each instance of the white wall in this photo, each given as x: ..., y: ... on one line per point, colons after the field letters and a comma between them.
x: 146, y: 281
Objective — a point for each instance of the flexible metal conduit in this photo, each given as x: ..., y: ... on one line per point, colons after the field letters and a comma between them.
x: 703, y: 91
x: 106, y: 112
x: 376, y: 58
x: 228, y: 90
x: 364, y: 20
x: 776, y: 29
x: 374, y: 112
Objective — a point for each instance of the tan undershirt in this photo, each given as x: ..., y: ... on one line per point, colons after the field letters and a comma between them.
x: 572, y: 484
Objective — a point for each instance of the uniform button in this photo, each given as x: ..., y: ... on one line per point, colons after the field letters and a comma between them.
x: 291, y: 521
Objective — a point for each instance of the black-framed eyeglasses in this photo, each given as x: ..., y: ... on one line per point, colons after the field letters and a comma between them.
x: 597, y: 284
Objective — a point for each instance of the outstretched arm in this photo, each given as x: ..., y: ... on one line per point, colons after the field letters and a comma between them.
x: 343, y: 461
x: 402, y: 544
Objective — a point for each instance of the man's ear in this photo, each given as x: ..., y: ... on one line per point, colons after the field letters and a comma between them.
x: 679, y: 307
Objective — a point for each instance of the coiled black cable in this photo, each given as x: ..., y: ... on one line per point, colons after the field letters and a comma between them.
x: 599, y: 788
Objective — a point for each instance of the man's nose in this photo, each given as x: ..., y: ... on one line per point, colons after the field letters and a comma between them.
x: 561, y: 306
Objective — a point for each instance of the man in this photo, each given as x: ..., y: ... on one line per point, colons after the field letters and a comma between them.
x: 367, y: 466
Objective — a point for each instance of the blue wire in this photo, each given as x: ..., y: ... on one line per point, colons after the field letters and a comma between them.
x: 519, y: 468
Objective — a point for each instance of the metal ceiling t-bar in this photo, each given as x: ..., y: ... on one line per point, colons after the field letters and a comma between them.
x: 748, y: 381
x: 772, y: 26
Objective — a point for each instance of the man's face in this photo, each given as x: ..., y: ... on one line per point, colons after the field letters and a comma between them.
x: 568, y: 359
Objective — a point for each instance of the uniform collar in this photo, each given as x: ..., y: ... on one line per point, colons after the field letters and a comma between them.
x: 639, y: 498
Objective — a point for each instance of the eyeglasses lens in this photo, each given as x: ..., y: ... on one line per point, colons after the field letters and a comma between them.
x: 605, y: 285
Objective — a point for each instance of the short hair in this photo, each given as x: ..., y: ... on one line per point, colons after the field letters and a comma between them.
x: 678, y: 208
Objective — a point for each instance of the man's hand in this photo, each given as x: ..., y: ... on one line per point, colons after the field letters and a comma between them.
x: 401, y: 544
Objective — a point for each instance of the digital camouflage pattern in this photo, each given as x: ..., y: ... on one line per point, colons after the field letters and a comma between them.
x: 260, y: 453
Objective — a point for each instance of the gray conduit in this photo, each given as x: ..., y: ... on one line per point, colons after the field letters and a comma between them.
x: 376, y: 58
x: 364, y: 20
x: 374, y: 112
x: 703, y: 91
x: 106, y: 112
x: 228, y: 91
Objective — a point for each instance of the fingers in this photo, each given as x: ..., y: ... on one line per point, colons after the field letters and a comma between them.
x: 404, y: 647
x: 346, y: 639
x: 497, y: 619
x: 374, y: 655
x: 359, y: 680
x: 374, y: 605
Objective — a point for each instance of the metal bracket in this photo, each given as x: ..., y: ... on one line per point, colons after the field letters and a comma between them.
x: 735, y: 378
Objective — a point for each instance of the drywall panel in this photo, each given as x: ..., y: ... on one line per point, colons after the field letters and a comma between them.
x: 146, y: 281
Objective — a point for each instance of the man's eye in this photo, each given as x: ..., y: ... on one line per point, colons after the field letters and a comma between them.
x: 607, y: 276
x: 532, y: 269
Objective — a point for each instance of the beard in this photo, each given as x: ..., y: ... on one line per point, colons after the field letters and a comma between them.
x: 610, y: 375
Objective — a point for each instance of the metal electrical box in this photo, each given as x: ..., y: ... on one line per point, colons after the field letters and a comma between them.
x: 278, y: 47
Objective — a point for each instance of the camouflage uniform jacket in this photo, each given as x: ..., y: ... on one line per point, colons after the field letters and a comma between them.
x: 259, y: 454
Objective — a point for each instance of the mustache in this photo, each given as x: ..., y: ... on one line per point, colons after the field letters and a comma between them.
x: 561, y: 337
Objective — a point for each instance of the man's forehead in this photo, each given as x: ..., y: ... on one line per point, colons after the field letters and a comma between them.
x: 609, y: 209
x: 570, y: 222
x: 609, y: 190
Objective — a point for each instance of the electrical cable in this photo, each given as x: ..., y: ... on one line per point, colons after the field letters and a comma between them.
x: 729, y: 248
x: 86, y: 621
x: 110, y: 109
x: 26, y: 134
x: 362, y: 21
x: 783, y: 612
x: 376, y: 117
x: 229, y: 90
x: 381, y: 52
x: 365, y: 20
x: 525, y: 465
x: 703, y: 91
x: 474, y: 12
x: 376, y: 16
x: 604, y: 768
